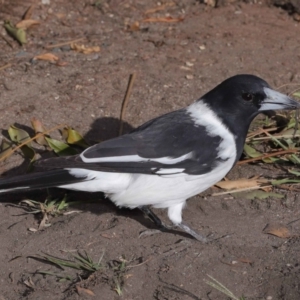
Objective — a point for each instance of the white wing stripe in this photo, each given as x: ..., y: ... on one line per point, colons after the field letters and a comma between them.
x: 136, y: 158
x: 169, y: 171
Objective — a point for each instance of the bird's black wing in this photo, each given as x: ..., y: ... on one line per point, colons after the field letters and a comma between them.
x: 167, y: 145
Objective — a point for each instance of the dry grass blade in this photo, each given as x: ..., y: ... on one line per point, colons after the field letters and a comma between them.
x: 64, y: 43
x: 47, y: 56
x: 125, y: 101
x: 222, y: 288
x: 242, y: 190
x: 163, y: 20
x: 5, y: 67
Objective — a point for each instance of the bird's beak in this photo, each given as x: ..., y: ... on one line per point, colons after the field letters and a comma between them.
x: 275, y: 101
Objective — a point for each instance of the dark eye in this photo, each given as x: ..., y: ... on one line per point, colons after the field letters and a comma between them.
x: 248, y: 96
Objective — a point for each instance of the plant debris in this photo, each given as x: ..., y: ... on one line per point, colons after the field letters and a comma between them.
x: 278, y: 230
x: 83, y: 49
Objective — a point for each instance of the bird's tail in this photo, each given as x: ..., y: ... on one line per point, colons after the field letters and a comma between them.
x: 38, y: 180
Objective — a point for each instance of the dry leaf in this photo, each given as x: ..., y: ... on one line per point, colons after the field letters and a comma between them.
x: 47, y: 56
x: 83, y: 49
x: 278, y: 230
x: 211, y: 3
x: 38, y: 128
x: 164, y: 20
x: 245, y: 260
x: 105, y: 235
x: 242, y: 183
x: 28, y: 12
x: 134, y: 26
x: 61, y: 63
x: 25, y: 24
x: 81, y: 290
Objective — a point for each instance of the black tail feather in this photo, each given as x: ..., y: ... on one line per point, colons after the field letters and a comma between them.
x: 38, y: 180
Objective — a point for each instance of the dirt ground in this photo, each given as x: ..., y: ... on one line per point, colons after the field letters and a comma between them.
x: 175, y: 63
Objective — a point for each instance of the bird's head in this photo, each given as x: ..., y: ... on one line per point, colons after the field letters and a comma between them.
x: 240, y: 98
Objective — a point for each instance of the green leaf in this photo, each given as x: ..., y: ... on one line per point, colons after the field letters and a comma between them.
x: 297, y: 94
x: 294, y: 159
x: 294, y: 172
x: 284, y: 181
x: 18, y: 135
x: 251, y: 152
x: 75, y: 138
x: 270, y: 160
x: 60, y: 148
x: 28, y: 152
x: 17, y: 33
x: 5, y: 147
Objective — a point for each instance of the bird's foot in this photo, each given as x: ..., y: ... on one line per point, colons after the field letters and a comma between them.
x: 193, y: 233
x: 163, y: 227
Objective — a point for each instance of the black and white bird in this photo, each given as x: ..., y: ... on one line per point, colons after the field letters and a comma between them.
x: 168, y: 159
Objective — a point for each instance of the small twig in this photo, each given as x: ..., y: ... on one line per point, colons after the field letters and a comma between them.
x: 8, y: 42
x: 241, y: 190
x: 294, y: 221
x: 30, y: 140
x: 64, y: 43
x: 267, y: 155
x: 5, y: 66
x: 288, y: 188
x: 259, y: 131
x: 287, y: 136
x: 294, y: 91
x: 140, y: 263
x: 126, y: 99
x: 281, y: 145
x: 286, y: 84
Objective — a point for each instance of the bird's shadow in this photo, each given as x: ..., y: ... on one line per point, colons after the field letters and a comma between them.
x: 101, y: 129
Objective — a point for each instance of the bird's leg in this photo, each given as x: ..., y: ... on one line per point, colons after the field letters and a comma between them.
x: 154, y: 218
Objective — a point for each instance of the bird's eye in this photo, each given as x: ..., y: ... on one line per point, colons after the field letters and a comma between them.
x: 248, y: 96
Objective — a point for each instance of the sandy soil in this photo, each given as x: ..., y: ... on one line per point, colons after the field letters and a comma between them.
x: 175, y: 64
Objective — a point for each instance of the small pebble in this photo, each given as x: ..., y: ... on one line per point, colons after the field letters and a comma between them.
x: 189, y: 77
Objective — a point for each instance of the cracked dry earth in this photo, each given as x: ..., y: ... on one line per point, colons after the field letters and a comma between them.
x: 175, y: 64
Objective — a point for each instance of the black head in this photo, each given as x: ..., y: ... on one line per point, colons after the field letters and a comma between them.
x: 240, y: 98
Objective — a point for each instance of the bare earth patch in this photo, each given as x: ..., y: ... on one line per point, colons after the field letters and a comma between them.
x: 178, y: 51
